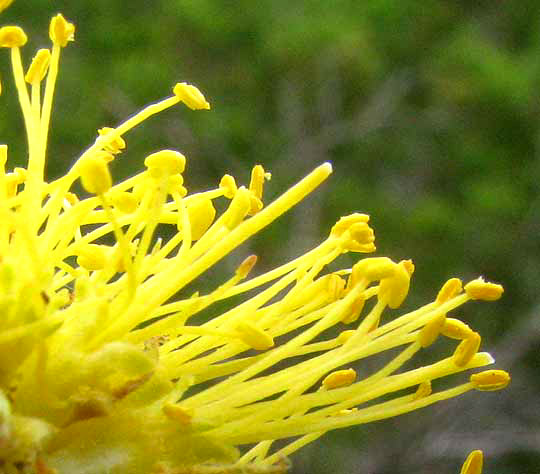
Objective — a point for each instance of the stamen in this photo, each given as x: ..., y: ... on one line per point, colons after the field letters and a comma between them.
x: 473, y: 463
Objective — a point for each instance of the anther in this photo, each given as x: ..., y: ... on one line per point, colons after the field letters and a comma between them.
x: 228, y: 184
x: 255, y: 204
x: 12, y: 37
x: 345, y: 222
x: 450, y: 289
x: 95, y: 175
x: 115, y: 144
x: 482, y: 290
x: 371, y: 269
x: 38, y: 67
x: 455, y: 329
x: 201, y: 213
x: 423, y: 390
x: 490, y: 380
x: 254, y: 337
x: 257, y: 181
x: 467, y: 349
x: 165, y: 163
x: 246, y: 266
x: 92, y: 257
x: 191, y: 96
x: 473, y: 463
x: 394, y: 289
x: 430, y: 332
x: 61, y: 31
x: 339, y: 378
x: 4, y: 4
x: 125, y: 202
x: 238, y: 208
x: 177, y: 413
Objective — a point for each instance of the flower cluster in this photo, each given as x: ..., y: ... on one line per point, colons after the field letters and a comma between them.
x: 103, y: 365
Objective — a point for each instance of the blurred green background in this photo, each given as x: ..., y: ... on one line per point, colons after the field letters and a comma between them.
x: 429, y: 112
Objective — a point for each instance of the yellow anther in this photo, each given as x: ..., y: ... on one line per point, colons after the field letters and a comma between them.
x: 334, y: 286
x: 71, y: 198
x: 482, y: 290
x: 344, y: 336
x: 255, y: 204
x: 125, y: 202
x: 93, y: 257
x: 95, y: 175
x: 467, y: 349
x: 394, y: 289
x: 339, y: 378
x: 473, y: 464
x: 423, y: 390
x: 12, y: 37
x: 430, y: 332
x: 408, y: 265
x: 177, y: 413
x: 4, y: 4
x: 345, y: 223
x: 246, y: 266
x: 254, y: 337
x: 191, y: 96
x: 238, y: 208
x: 11, y: 182
x: 228, y: 184
x: 450, y: 289
x: 201, y: 214
x: 257, y: 181
x: 61, y: 31
x: 38, y: 67
x: 165, y: 163
x: 355, y: 310
x: 490, y: 380
x: 371, y: 269
x: 455, y: 329
x: 115, y: 144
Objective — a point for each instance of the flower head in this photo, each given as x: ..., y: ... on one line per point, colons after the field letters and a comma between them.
x: 103, y: 367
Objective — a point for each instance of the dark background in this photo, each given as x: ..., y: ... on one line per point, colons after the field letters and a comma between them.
x: 429, y: 112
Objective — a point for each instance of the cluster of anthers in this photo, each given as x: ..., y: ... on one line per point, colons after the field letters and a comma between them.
x: 102, y: 365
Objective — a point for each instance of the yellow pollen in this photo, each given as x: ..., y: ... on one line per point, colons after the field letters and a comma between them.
x: 12, y: 37
x: 38, y: 67
x: 61, y: 31
x: 254, y: 337
x: 431, y: 330
x: 450, y: 289
x: 339, y: 378
x: 191, y: 96
x: 473, y: 463
x: 228, y: 184
x: 95, y: 175
x: 455, y: 329
x: 466, y: 349
x: 482, y: 290
x: 490, y: 380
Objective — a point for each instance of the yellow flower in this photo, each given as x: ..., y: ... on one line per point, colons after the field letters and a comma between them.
x: 106, y: 365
